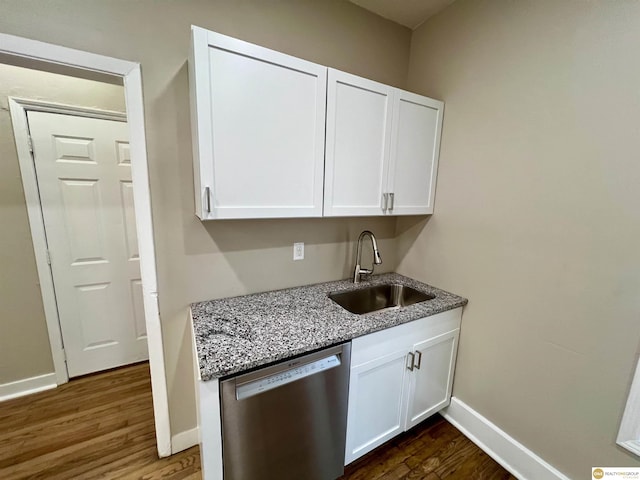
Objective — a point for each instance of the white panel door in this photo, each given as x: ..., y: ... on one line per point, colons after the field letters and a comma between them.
x: 260, y: 120
x: 415, y: 148
x: 377, y: 403
x: 84, y: 178
x: 358, y: 136
x: 431, y: 380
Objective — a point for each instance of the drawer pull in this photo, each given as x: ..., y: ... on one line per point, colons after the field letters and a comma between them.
x: 411, y: 357
x: 419, y: 360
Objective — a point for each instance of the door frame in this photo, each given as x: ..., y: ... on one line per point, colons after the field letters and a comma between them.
x: 629, y: 432
x: 130, y: 72
x: 19, y: 107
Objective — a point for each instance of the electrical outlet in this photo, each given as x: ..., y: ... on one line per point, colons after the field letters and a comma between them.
x: 298, y: 251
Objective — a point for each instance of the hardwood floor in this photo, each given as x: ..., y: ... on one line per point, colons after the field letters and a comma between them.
x: 433, y: 450
x: 96, y: 427
x: 101, y: 427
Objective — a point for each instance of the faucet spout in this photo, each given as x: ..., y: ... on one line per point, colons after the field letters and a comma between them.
x: 377, y: 259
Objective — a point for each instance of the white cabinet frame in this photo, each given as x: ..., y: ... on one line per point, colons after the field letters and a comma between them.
x: 383, y: 148
x: 409, y: 197
x: 307, y: 81
x: 396, y: 349
x: 367, y: 161
x: 374, y: 148
x: 397, y: 358
x: 421, y: 348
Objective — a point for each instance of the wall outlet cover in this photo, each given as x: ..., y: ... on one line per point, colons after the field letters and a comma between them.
x: 298, y: 251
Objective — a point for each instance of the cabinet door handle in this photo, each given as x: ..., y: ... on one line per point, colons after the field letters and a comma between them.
x: 391, y: 201
x: 207, y: 199
x: 419, y: 360
x: 384, y: 201
x: 410, y: 364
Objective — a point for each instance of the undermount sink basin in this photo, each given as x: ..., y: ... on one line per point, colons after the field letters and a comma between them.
x: 379, y: 297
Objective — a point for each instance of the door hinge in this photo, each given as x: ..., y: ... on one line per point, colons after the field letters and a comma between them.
x: 30, y: 142
x: 48, y: 257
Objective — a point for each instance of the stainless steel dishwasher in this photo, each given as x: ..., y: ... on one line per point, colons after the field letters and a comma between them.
x: 287, y: 421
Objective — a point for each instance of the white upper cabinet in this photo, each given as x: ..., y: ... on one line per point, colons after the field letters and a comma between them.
x: 259, y: 119
x: 415, y: 148
x: 259, y: 146
x: 359, y: 115
x: 382, y: 148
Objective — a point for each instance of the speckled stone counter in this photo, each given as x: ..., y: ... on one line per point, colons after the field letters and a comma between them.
x: 240, y: 333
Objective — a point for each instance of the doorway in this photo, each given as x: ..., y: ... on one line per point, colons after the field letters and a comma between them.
x: 54, y: 58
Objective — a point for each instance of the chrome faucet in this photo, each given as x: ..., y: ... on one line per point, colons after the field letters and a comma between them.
x: 377, y: 260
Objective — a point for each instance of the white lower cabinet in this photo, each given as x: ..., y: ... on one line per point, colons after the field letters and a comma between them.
x: 377, y: 402
x: 430, y: 383
x: 399, y: 377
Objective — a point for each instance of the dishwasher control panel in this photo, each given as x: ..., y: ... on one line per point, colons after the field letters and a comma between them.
x: 282, y: 378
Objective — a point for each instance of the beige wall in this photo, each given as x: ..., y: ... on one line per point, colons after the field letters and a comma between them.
x: 537, y: 216
x: 24, y: 342
x: 198, y: 261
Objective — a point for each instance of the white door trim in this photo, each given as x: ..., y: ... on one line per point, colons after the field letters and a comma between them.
x: 629, y: 433
x: 131, y: 74
x: 53, y: 107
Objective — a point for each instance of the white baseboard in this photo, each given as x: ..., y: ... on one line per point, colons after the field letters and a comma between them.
x: 27, y: 386
x: 183, y: 440
x: 507, y: 451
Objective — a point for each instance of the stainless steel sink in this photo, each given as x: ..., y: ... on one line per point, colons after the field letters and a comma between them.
x: 379, y: 297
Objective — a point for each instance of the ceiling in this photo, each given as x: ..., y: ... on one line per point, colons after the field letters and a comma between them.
x: 410, y: 13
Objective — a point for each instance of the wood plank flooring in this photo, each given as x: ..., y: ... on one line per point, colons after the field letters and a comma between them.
x: 433, y: 450
x: 95, y: 427
x: 101, y: 427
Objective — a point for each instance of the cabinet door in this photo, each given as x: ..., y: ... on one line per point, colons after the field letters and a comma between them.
x: 358, y: 136
x: 432, y: 376
x: 259, y: 118
x: 377, y: 403
x: 415, y: 147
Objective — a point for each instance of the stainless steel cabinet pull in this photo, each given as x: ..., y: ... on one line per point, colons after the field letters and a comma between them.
x: 391, y: 198
x: 410, y: 364
x: 419, y: 361
x: 384, y: 202
x: 207, y: 197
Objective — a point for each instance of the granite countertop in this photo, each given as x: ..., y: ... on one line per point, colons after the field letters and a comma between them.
x: 239, y: 333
